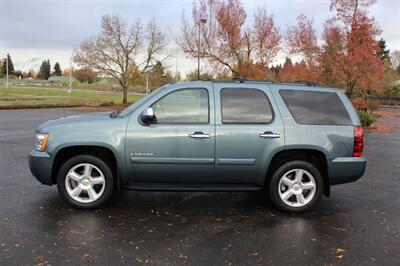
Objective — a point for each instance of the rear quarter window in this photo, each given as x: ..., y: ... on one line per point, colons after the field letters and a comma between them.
x: 315, y: 107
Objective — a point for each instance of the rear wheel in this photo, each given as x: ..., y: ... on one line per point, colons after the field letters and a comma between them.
x: 85, y: 181
x: 296, y: 186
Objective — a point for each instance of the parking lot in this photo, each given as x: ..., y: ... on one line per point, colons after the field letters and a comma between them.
x: 358, y: 224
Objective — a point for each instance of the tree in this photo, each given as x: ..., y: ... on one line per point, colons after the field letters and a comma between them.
x: 348, y: 11
x: 31, y: 73
x: 44, y: 71
x: 85, y: 75
x: 57, y: 70
x: 192, y: 76
x: 115, y: 50
x: 332, y: 53
x: 66, y: 72
x: 10, y: 66
x: 226, y: 43
x: 287, y: 71
x: 383, y: 52
x: 18, y: 74
x: 395, y: 60
x: 362, y: 70
x: 159, y: 76
x: 302, y: 40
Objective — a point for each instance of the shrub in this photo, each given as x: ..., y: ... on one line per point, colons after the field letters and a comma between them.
x: 366, y: 118
x: 373, y: 105
x: 85, y: 75
x: 392, y: 90
x: 360, y: 104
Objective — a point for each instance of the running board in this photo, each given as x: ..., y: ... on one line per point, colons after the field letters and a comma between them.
x: 191, y: 187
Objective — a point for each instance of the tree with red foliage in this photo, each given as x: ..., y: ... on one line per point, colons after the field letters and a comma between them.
x: 286, y: 73
x: 302, y: 40
x: 332, y: 54
x: 224, y: 40
x: 348, y: 10
x: 361, y: 69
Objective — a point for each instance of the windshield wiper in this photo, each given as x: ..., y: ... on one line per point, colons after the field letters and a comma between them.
x: 115, y: 113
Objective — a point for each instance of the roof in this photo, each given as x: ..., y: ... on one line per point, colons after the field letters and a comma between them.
x: 301, y: 84
x: 309, y: 83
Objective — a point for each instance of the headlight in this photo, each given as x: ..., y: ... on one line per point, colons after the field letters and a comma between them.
x: 41, y: 141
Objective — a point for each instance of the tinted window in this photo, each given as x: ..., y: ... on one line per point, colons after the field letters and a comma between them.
x: 316, y: 108
x: 240, y: 105
x: 183, y: 106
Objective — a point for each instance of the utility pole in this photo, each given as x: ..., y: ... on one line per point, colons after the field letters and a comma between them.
x: 70, y: 75
x: 7, y: 71
x: 201, y: 21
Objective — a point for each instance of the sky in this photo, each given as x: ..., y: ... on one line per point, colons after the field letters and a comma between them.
x: 31, y: 31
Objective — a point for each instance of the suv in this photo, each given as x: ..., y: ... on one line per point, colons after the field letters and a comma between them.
x: 292, y: 140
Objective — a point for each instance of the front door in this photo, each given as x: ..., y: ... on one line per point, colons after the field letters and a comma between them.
x: 249, y: 131
x: 179, y: 147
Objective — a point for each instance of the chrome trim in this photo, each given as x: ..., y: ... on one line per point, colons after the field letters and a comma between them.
x: 199, y: 135
x: 269, y: 135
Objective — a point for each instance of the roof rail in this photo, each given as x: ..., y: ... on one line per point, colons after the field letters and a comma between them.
x: 309, y: 83
x: 240, y: 79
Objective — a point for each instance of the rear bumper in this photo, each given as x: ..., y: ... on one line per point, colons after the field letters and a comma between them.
x: 40, y: 165
x: 346, y: 169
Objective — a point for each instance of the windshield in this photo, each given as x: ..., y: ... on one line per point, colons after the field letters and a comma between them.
x: 133, y: 106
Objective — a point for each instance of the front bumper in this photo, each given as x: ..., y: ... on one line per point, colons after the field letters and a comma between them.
x: 346, y: 169
x: 40, y: 165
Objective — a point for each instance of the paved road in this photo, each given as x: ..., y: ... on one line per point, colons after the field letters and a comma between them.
x: 359, y: 224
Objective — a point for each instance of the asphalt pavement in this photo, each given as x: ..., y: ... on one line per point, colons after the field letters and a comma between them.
x: 358, y: 224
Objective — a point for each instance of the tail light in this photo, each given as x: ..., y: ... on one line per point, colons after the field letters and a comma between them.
x: 358, y: 141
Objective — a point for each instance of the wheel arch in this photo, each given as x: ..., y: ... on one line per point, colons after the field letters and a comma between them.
x: 314, y: 156
x: 65, y: 153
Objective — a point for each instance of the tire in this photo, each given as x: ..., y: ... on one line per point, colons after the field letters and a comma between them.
x: 296, y: 187
x: 85, y: 182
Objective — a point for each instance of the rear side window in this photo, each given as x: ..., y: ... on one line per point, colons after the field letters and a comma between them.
x: 315, y: 108
x: 245, y: 106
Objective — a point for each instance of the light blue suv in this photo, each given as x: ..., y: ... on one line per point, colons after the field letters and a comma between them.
x: 292, y: 140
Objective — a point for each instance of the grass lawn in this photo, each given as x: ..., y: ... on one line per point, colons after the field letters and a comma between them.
x: 25, y: 97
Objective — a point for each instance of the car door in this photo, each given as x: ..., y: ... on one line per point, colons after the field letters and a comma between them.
x: 249, y: 131
x: 179, y: 147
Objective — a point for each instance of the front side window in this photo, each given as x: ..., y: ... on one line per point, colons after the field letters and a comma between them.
x: 245, y: 106
x: 183, y: 106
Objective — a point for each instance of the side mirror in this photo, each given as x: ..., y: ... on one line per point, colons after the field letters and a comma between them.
x: 147, y: 116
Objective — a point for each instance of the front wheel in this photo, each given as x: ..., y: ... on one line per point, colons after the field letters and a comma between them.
x: 85, y: 182
x: 296, y: 186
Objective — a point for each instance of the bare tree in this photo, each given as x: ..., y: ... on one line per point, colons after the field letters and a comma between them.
x: 226, y: 42
x: 120, y: 51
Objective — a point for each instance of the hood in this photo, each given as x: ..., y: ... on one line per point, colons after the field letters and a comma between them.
x: 83, y: 119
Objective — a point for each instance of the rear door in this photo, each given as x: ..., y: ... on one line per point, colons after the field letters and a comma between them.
x: 249, y: 131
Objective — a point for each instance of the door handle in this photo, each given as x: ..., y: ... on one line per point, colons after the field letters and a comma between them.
x: 199, y: 135
x: 269, y: 135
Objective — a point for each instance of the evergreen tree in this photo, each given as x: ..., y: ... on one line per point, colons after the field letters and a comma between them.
x: 57, y: 70
x: 383, y: 52
x: 44, y: 71
x: 10, y: 66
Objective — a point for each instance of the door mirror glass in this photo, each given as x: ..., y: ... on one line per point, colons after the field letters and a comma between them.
x: 147, y: 117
